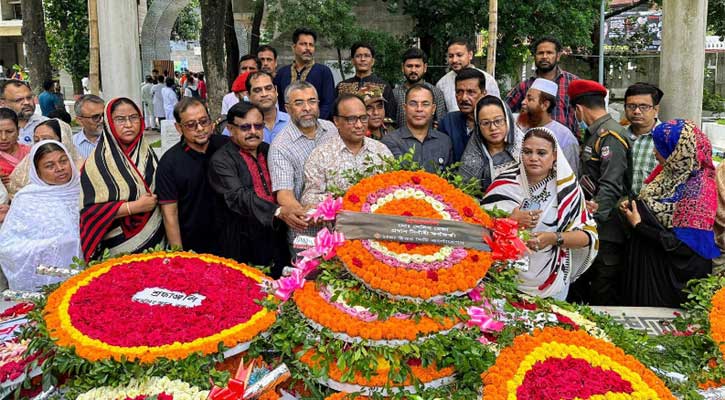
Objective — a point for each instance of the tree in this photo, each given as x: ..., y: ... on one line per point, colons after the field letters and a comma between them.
x: 256, y: 25
x: 232, y: 45
x: 188, y: 24
x: 67, y: 34
x: 33, y: 32
x: 213, y: 13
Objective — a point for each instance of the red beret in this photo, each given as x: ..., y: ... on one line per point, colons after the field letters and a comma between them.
x: 581, y: 87
x: 240, y: 84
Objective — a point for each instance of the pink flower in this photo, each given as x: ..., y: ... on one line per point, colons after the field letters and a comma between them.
x: 326, y: 244
x: 328, y: 209
x: 475, y: 294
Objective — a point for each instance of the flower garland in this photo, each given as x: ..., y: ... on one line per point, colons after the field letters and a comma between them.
x: 407, y: 269
x: 94, y: 311
x: 380, y: 378
x: 163, y: 388
x: 556, y: 363
x: 717, y: 319
x: 313, y: 306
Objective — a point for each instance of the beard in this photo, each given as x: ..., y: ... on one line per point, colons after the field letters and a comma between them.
x: 546, y: 69
x: 411, y: 81
x: 306, y: 123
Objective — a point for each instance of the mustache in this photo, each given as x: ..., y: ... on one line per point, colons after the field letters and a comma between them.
x: 252, y: 136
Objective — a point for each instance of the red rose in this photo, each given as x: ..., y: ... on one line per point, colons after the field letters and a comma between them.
x: 353, y: 197
x: 475, y: 258
x: 467, y: 212
x: 415, y: 179
x: 414, y: 362
x: 356, y: 262
x: 407, y: 214
x: 410, y: 246
x: 432, y: 275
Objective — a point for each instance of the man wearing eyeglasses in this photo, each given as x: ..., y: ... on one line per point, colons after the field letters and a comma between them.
x: 182, y: 186
x: 250, y: 220
x: 89, y: 114
x: 641, y: 106
x: 290, y: 149
x: 350, y: 151
x: 362, y: 56
x: 18, y: 96
x: 431, y: 149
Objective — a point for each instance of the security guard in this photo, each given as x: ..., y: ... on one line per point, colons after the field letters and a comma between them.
x: 604, y: 179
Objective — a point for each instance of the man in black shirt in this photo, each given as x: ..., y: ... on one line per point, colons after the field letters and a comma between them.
x: 182, y: 186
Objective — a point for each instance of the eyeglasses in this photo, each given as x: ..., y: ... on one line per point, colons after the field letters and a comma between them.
x: 352, y: 119
x: 121, y: 120
x: 415, y: 104
x: 248, y: 127
x: 642, y: 107
x: 95, y: 118
x: 496, y: 123
x: 28, y: 99
x: 204, y: 122
x: 310, y: 102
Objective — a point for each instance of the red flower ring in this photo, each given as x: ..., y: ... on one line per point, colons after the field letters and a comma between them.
x: 97, y: 313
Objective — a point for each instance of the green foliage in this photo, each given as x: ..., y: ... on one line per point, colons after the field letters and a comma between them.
x: 712, y: 101
x: 571, y: 21
x: 716, y: 17
x: 66, y: 28
x: 188, y: 25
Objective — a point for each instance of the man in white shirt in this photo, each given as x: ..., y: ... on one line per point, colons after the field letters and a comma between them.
x: 148, y: 102
x: 460, y: 54
x: 158, y: 99
x: 169, y: 95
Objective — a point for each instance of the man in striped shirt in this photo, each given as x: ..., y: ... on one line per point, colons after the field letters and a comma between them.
x: 547, y: 51
x: 89, y: 114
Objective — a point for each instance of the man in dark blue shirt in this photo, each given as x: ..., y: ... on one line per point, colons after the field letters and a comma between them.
x: 304, y: 68
x: 459, y: 125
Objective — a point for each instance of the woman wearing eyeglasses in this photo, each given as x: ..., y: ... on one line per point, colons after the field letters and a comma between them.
x: 494, y: 144
x: 249, y: 220
x: 120, y: 211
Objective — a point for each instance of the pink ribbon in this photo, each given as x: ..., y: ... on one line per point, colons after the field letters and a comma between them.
x: 284, y: 287
x: 482, y: 318
x: 328, y: 209
x: 326, y: 244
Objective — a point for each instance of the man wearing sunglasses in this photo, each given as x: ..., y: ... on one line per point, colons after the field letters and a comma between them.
x: 89, y: 114
x: 350, y: 151
x: 182, y: 186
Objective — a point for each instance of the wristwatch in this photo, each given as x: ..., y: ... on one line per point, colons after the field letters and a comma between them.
x: 559, y: 239
x: 277, y: 212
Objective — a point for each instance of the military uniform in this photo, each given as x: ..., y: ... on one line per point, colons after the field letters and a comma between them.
x: 606, y: 161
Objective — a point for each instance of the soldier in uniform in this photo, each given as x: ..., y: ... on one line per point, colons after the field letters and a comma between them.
x: 604, y: 178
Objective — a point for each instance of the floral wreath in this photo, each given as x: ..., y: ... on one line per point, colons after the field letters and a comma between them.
x: 406, y: 270
x: 162, y: 388
x: 557, y: 363
x: 60, y: 310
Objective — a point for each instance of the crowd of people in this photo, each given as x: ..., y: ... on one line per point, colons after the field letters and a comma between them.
x: 618, y: 214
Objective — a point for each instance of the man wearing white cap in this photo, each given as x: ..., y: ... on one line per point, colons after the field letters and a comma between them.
x: 536, y: 109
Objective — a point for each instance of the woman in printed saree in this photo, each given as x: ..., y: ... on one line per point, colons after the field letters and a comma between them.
x: 42, y: 224
x: 495, y: 142
x: 543, y: 195
x: 11, y: 152
x: 119, y: 210
x: 672, y: 221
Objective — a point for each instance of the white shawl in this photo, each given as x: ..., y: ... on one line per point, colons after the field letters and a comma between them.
x: 42, y: 227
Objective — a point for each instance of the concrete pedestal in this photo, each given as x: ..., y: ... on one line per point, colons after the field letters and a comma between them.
x: 683, y: 59
x: 118, y: 36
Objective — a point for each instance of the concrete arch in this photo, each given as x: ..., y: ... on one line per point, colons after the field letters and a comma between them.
x: 156, y: 31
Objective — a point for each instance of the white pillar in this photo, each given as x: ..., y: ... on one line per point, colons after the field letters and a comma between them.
x: 119, y: 47
x: 682, y: 63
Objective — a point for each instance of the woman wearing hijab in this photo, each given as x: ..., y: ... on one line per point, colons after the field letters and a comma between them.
x: 42, y: 224
x: 672, y: 237
x: 494, y: 145
x: 542, y: 194
x: 51, y: 129
x: 119, y: 210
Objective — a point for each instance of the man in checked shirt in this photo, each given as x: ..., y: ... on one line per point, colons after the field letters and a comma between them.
x: 547, y: 51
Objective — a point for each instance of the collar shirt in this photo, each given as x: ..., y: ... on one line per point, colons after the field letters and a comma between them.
x: 643, y: 159
x: 433, y: 154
